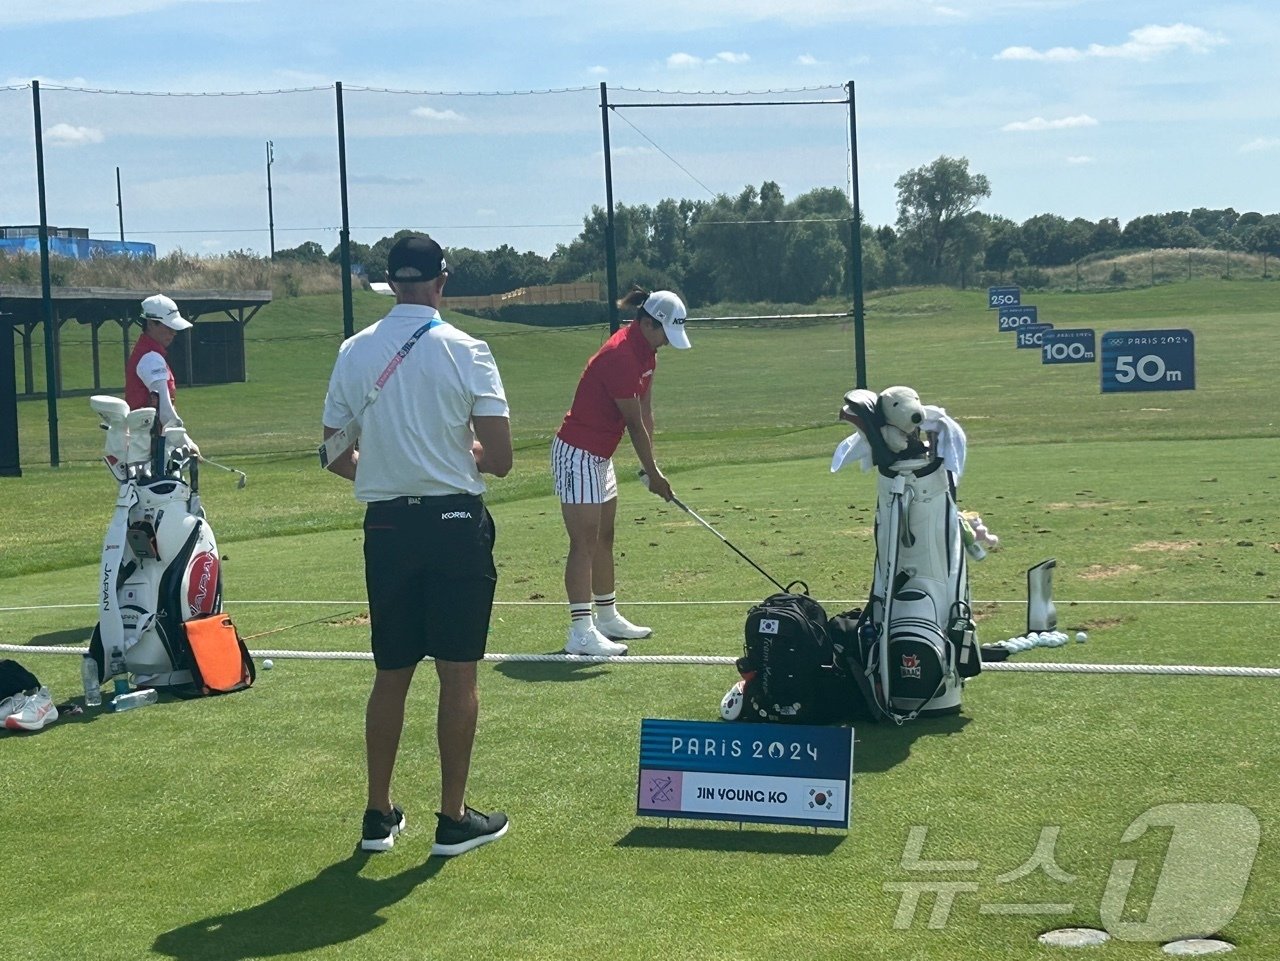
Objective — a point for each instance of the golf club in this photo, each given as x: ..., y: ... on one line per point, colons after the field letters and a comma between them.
x: 644, y: 479
x: 241, y: 477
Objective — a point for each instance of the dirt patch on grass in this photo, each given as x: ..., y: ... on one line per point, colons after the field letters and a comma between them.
x: 1164, y: 546
x: 360, y: 620
x: 1100, y: 623
x: 1077, y: 505
x: 1100, y: 572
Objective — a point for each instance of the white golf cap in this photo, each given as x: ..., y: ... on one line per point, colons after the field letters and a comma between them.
x: 161, y: 308
x: 668, y: 309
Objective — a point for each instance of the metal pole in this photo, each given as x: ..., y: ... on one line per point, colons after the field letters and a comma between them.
x: 271, y: 217
x: 610, y: 245
x: 120, y: 204
x: 344, y: 238
x: 855, y: 255
x: 46, y: 289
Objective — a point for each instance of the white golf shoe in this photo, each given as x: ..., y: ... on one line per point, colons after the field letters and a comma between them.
x: 618, y: 628
x: 32, y: 713
x: 593, y: 644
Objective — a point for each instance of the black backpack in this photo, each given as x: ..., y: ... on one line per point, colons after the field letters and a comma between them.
x: 787, y: 661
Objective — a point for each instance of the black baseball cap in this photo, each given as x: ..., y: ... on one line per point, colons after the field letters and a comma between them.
x: 415, y: 258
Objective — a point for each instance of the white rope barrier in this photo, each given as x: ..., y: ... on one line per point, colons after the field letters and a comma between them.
x: 711, y: 659
x: 835, y: 602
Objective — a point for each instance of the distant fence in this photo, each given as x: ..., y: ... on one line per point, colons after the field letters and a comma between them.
x: 550, y: 294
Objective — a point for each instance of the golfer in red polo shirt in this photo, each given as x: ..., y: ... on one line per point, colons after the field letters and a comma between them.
x: 613, y: 396
x: 147, y: 370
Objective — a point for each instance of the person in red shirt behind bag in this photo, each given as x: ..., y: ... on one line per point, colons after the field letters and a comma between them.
x: 147, y: 370
x: 613, y: 396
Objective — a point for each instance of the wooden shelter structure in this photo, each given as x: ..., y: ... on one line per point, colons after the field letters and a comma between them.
x: 212, y: 352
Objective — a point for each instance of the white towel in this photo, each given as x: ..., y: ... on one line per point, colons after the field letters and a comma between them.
x: 852, y: 448
x: 952, y: 444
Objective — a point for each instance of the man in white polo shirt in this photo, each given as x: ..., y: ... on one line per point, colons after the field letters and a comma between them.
x: 439, y: 422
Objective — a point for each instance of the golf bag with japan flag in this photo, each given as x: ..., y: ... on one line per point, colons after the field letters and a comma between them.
x: 915, y: 642
x: 159, y: 588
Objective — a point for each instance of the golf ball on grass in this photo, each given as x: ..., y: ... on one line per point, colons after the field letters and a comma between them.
x: 1081, y: 637
x: 268, y: 664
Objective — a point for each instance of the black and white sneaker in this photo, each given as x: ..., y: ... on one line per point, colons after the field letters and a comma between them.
x: 380, y: 830
x: 455, y: 837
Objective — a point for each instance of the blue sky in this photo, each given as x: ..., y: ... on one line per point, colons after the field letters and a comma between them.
x: 1088, y: 108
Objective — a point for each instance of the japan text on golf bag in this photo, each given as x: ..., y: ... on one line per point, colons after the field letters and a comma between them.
x: 916, y: 641
x: 159, y: 590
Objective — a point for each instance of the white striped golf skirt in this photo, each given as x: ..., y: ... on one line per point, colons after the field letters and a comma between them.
x: 582, y: 477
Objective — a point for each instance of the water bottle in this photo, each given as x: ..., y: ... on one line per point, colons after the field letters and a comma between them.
x: 92, y: 687
x: 116, y: 664
x: 132, y: 699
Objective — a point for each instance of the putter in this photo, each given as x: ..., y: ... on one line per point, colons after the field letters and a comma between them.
x: 644, y: 479
x: 241, y: 477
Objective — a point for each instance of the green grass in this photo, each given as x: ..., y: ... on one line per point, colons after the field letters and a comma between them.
x: 224, y: 828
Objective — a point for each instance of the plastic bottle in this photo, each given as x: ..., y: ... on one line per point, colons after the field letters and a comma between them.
x: 116, y: 665
x: 89, y: 675
x: 132, y: 699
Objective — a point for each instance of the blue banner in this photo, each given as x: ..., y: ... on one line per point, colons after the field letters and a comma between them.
x: 1011, y: 318
x: 1003, y: 297
x: 1068, y: 346
x: 1143, y: 360
x: 771, y: 773
x: 1031, y: 336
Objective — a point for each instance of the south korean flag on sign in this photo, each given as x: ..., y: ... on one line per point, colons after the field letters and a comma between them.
x: 823, y: 798
x: 768, y: 625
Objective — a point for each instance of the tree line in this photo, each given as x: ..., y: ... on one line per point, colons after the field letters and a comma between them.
x: 758, y: 246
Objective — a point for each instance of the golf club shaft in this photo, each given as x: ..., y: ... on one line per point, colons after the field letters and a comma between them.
x: 241, y: 477
x: 214, y: 463
x: 692, y: 513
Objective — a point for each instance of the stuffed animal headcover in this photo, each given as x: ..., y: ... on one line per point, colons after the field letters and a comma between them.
x: 903, y: 413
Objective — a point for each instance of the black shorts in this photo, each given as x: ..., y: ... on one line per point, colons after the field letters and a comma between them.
x: 428, y: 568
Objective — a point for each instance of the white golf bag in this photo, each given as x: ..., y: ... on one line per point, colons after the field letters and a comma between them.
x: 160, y: 563
x: 920, y: 639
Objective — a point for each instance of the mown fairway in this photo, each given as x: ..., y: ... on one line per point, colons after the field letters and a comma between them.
x: 225, y: 828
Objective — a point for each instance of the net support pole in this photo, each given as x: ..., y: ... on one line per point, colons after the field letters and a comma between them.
x: 610, y: 244
x: 46, y: 288
x: 344, y: 240
x: 855, y: 253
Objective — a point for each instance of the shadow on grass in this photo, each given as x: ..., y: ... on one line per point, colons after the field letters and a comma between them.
x: 334, y: 907
x: 731, y: 838
x: 77, y: 635
x: 879, y: 747
x: 550, y: 670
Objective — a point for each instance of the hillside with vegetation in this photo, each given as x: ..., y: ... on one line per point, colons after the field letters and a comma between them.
x: 760, y: 247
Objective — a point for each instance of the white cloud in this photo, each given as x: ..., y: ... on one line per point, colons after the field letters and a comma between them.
x: 430, y: 113
x: 1062, y: 123
x: 807, y: 60
x: 1261, y: 143
x: 65, y: 135
x: 67, y: 11
x: 1145, y: 43
x: 598, y: 71
x: 1078, y: 160
x: 683, y: 61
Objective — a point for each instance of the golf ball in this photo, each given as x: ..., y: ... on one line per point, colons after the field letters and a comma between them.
x: 1081, y: 637
x: 268, y: 664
